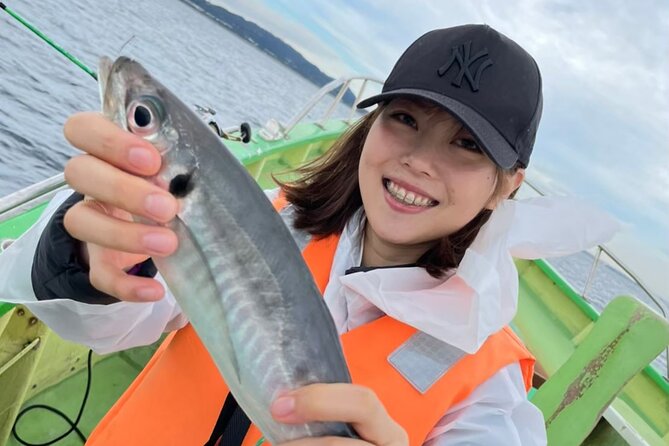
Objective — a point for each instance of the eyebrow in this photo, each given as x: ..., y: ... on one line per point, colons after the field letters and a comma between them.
x: 432, y: 109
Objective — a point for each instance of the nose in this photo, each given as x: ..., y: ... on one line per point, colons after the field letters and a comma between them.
x: 421, y: 158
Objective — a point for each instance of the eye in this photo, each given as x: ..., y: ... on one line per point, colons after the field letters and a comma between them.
x: 181, y: 185
x: 145, y: 115
x: 468, y: 144
x: 405, y: 119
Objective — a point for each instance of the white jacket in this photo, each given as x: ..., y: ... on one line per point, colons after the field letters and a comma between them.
x: 474, y: 301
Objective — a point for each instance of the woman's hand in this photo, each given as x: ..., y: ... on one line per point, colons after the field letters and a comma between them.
x: 109, y: 175
x: 347, y: 403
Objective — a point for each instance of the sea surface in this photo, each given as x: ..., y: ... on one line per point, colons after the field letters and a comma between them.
x: 198, y: 59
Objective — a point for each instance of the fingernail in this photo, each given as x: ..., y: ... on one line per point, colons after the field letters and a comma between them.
x: 159, y: 206
x: 158, y: 243
x: 146, y: 293
x: 283, y: 406
x: 140, y: 157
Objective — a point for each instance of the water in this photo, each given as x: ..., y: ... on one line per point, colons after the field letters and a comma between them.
x: 199, y: 60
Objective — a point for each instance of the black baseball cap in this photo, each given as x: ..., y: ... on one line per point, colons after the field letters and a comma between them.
x: 481, y: 77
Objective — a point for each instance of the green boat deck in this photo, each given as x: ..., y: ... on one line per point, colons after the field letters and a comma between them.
x: 111, y: 375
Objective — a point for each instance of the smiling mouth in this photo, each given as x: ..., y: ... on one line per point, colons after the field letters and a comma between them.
x: 407, y: 198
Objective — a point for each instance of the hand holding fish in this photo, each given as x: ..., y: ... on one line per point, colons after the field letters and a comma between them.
x: 110, y: 174
x: 348, y: 403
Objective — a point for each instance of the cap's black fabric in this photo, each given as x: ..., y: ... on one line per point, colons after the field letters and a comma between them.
x: 480, y: 76
x: 57, y: 272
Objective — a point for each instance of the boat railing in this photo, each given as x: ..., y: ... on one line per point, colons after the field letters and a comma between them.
x: 273, y: 130
x: 30, y: 197
x: 617, y: 262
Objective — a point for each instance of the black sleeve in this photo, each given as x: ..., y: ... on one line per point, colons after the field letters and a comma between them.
x: 58, y: 273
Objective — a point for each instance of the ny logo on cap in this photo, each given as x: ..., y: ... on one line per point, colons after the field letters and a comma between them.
x: 465, y: 62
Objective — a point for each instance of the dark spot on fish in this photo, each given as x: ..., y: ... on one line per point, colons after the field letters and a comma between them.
x: 181, y: 185
x: 301, y: 373
x: 142, y: 115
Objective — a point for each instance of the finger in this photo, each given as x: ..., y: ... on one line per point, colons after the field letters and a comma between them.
x: 104, y: 182
x: 347, y: 403
x: 89, y: 225
x: 326, y: 441
x: 117, y: 283
x: 98, y: 136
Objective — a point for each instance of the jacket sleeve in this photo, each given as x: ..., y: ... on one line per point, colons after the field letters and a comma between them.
x: 497, y: 412
x: 41, y: 271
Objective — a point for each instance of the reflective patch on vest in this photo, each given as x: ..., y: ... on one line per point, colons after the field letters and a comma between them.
x: 423, y: 359
x: 302, y: 238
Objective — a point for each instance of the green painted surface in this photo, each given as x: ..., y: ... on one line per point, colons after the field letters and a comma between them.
x: 635, y: 417
x: 16, y: 226
x: 110, y: 378
x: 21, y: 345
x: 5, y: 308
x: 63, y: 358
x: 604, y: 435
x: 545, y: 320
x: 625, y: 338
x: 551, y: 322
x: 570, y: 315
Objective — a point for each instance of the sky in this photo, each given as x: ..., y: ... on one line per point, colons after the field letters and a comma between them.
x: 604, y: 134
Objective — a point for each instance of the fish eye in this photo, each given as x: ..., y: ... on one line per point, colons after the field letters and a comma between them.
x: 182, y: 184
x: 144, y: 116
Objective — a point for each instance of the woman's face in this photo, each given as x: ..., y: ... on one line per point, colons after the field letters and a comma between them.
x: 422, y: 176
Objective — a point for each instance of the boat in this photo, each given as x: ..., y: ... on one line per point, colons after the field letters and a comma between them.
x: 594, y: 382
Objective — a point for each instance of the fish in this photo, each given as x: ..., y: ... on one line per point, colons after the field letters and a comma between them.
x: 237, y: 273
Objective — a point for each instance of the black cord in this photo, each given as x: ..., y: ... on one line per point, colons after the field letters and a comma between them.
x: 73, y: 425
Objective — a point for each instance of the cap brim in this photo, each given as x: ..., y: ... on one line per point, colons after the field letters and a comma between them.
x: 491, y: 141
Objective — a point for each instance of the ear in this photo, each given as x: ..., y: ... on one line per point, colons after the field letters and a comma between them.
x: 511, y: 183
x: 514, y: 182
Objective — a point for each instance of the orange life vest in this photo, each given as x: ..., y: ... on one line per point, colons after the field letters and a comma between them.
x: 177, y: 398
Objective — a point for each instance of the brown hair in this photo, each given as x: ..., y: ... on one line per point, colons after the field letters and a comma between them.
x: 327, y: 194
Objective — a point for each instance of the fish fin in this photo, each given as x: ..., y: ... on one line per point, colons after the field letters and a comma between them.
x: 214, y: 341
x: 104, y: 68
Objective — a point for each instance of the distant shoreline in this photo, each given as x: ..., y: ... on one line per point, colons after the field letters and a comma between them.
x: 267, y: 42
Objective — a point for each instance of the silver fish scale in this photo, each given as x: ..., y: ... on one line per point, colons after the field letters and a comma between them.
x: 254, y: 309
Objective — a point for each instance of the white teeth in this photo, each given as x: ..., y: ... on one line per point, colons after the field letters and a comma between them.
x: 401, y: 193
x: 407, y: 197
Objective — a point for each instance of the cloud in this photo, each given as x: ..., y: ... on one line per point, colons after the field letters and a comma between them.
x: 612, y: 54
x: 605, y: 69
